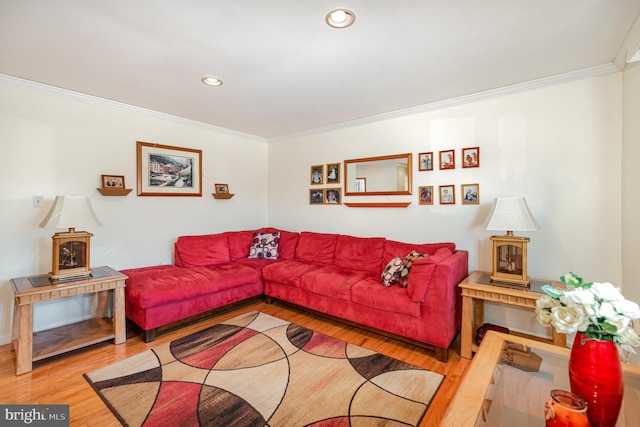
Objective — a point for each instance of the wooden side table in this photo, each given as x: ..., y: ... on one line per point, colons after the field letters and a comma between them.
x: 31, y: 347
x: 477, y: 288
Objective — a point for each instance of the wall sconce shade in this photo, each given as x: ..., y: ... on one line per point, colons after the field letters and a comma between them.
x: 71, y: 249
x: 510, y: 252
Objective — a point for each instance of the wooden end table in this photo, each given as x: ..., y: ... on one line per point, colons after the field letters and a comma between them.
x: 477, y: 288
x: 31, y: 347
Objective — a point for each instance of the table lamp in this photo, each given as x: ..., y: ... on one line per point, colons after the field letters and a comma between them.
x: 510, y: 252
x: 71, y: 249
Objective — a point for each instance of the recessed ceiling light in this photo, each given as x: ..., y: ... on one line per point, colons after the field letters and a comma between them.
x: 212, y: 81
x: 340, y: 18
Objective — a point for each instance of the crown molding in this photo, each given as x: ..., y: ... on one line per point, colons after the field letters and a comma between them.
x: 4, y: 78
x: 465, y: 99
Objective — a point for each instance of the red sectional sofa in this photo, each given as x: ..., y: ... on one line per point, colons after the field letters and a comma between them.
x: 333, y: 274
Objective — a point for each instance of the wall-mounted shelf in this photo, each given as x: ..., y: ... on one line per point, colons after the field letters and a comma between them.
x: 379, y: 205
x: 105, y: 191
x: 222, y: 195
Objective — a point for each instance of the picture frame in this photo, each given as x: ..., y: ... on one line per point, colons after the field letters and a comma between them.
x: 425, y: 161
x: 164, y: 170
x: 361, y: 185
x: 222, y: 188
x: 425, y: 195
x: 317, y: 175
x: 316, y: 196
x: 113, y: 181
x: 333, y: 173
x: 333, y: 196
x: 471, y: 157
x: 470, y: 194
x: 447, y: 159
x: 447, y: 194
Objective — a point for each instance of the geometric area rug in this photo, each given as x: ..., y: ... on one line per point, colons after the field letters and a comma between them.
x: 258, y: 370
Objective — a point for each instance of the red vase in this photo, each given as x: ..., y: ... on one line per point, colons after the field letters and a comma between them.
x: 595, y: 374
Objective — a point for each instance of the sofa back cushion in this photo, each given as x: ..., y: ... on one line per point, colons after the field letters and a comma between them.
x: 239, y: 242
x: 359, y: 253
x: 394, y: 249
x: 208, y: 249
x: 316, y: 247
x: 288, y: 242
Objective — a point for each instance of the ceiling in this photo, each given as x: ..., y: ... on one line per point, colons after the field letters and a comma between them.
x: 286, y: 72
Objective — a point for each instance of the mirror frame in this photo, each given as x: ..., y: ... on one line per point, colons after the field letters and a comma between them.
x: 407, y: 156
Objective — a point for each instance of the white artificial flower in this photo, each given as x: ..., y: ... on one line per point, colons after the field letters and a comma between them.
x: 544, y: 317
x: 606, y: 292
x: 579, y: 296
x: 606, y: 310
x: 568, y: 320
x: 628, y: 338
x: 620, y: 322
x: 627, y: 308
x: 545, y: 301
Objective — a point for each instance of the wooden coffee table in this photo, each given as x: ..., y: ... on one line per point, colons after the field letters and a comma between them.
x: 477, y: 288
x: 31, y: 347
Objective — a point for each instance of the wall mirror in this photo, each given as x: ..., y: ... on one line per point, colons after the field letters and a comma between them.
x: 384, y: 175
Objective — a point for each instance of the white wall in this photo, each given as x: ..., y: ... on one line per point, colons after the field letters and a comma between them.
x: 54, y: 143
x: 630, y: 181
x: 559, y: 146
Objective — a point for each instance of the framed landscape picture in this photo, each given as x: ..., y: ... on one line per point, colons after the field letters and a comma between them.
x: 163, y: 170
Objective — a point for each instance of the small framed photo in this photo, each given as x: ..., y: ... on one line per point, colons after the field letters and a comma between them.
x: 333, y: 196
x: 222, y: 188
x: 316, y: 196
x: 447, y: 195
x: 333, y: 173
x: 426, y: 194
x: 317, y: 175
x: 425, y: 161
x: 112, y: 181
x: 471, y: 157
x: 470, y: 194
x: 448, y: 159
x: 361, y: 185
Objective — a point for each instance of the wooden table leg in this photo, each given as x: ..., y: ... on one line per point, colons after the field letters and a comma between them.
x: 23, y: 343
x: 119, y: 322
x: 558, y: 338
x: 467, y: 327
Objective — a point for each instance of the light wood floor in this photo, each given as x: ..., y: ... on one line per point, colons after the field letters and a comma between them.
x: 59, y: 380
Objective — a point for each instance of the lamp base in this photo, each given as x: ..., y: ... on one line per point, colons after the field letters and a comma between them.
x: 71, y: 255
x: 510, y: 284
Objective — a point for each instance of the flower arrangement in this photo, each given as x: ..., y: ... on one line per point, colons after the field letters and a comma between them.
x: 598, y: 310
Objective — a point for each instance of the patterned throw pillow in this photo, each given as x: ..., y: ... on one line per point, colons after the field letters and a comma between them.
x: 265, y: 245
x: 406, y: 267
x: 392, y: 271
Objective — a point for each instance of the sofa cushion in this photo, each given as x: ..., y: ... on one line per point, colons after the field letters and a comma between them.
x: 288, y: 272
x: 422, y: 274
x: 393, y: 249
x: 391, y: 272
x: 331, y: 281
x: 359, y: 253
x: 239, y: 242
x: 316, y: 247
x: 392, y: 299
x: 264, y: 245
x: 288, y: 242
x: 194, y: 251
x: 155, y: 286
x: 407, y: 263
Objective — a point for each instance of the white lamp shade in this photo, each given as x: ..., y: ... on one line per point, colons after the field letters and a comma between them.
x: 511, y: 214
x: 71, y: 212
